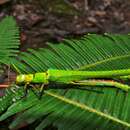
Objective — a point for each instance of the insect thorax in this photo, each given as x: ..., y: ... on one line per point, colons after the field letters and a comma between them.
x: 32, y: 78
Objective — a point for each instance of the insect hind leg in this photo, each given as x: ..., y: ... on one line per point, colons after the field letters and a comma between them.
x: 110, y: 83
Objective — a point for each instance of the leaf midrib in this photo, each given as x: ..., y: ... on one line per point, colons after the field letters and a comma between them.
x: 87, y: 108
x: 102, y: 61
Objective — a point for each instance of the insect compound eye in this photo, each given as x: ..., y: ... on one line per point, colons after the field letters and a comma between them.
x: 20, y: 78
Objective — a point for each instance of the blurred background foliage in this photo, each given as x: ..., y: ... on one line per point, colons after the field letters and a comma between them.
x: 53, y: 20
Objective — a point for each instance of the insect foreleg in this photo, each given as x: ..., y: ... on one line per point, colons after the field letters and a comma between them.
x: 25, y: 89
x: 38, y: 90
x: 34, y: 90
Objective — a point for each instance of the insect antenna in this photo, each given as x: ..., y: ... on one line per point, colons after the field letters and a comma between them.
x: 16, y: 68
x: 8, y: 74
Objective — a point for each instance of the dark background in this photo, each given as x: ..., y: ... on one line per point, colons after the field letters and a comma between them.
x: 41, y: 21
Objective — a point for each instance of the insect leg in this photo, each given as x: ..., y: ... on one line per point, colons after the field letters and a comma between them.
x: 119, y: 85
x: 126, y: 78
x: 34, y: 90
x: 25, y: 89
x: 41, y: 90
x: 38, y: 91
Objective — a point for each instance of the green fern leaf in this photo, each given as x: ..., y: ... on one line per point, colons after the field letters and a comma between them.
x: 76, y: 109
x: 9, y: 40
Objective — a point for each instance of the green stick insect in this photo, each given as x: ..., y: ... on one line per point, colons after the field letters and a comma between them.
x: 74, y: 77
